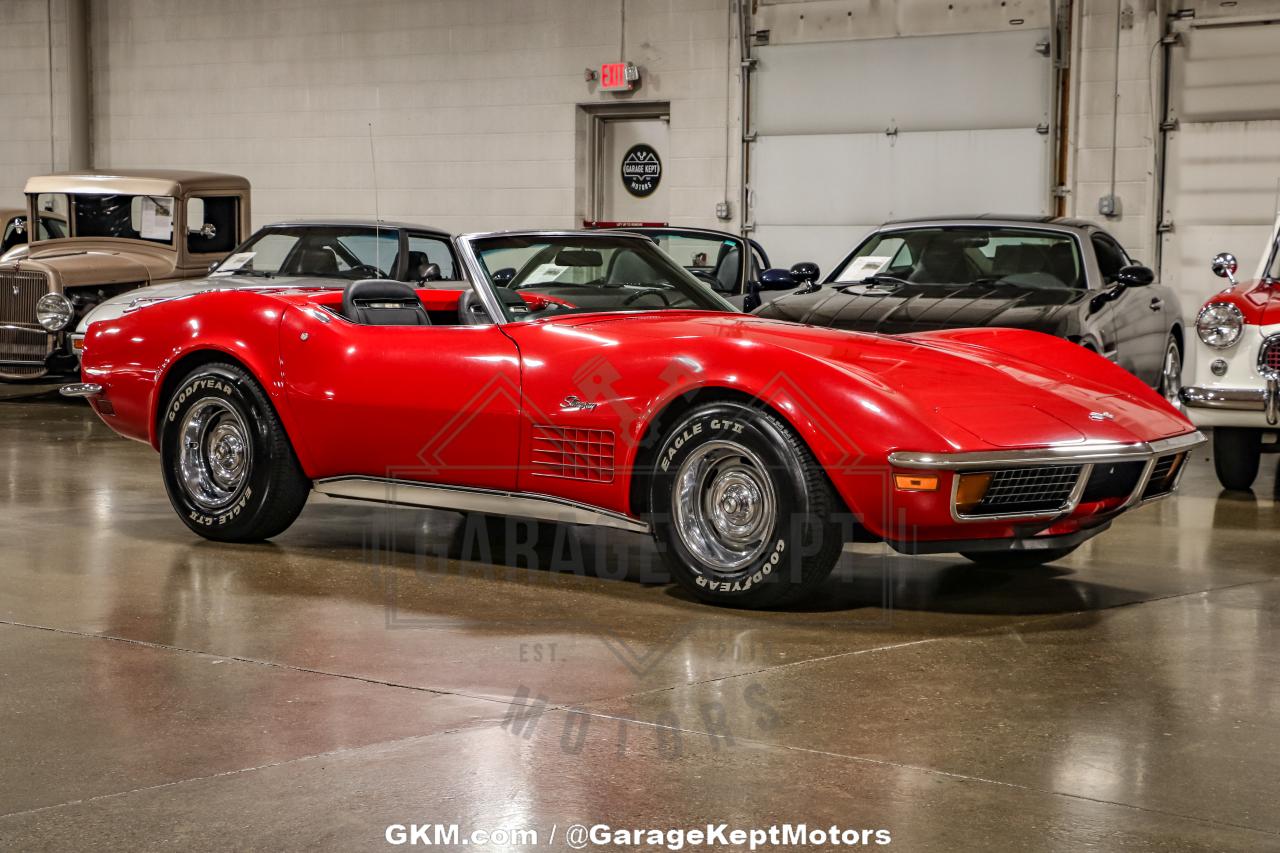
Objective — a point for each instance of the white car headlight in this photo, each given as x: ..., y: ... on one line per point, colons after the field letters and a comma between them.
x: 54, y: 312
x: 1220, y: 324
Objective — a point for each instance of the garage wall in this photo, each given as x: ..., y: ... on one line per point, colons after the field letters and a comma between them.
x: 1138, y: 98
x: 32, y: 113
x: 472, y: 103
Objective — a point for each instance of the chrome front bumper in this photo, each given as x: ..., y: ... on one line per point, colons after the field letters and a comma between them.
x: 1087, y: 456
x: 1266, y: 400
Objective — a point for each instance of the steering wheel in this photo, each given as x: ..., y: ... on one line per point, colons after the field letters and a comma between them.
x: 369, y: 269
x: 659, y: 291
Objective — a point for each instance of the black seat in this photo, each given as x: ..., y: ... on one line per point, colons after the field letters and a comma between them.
x: 317, y: 262
x: 420, y: 268
x: 383, y: 302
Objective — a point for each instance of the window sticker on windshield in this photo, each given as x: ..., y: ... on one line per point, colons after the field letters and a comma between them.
x: 861, y: 268
x: 157, y: 218
x: 234, y: 263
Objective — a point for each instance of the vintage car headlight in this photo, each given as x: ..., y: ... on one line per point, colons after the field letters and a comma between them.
x: 1220, y: 324
x: 54, y: 312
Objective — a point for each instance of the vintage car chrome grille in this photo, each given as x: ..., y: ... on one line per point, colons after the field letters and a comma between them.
x: 1028, y: 490
x: 1113, y: 480
x: 1269, y: 358
x: 1164, y: 475
x: 21, y: 339
x: 576, y: 454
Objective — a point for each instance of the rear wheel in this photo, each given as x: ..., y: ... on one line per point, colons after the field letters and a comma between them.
x: 1237, y: 456
x: 1017, y: 559
x: 229, y: 469
x: 742, y: 513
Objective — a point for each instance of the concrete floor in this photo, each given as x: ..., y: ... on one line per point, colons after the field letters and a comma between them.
x: 161, y: 692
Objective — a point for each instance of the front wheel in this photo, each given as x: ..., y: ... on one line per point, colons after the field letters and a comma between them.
x: 742, y: 513
x: 229, y: 468
x: 1017, y: 559
x: 1237, y: 456
x: 1171, y: 373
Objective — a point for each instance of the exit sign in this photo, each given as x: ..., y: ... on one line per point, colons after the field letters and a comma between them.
x: 618, y: 76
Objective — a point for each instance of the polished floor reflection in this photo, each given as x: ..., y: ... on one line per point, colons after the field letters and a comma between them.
x: 378, y: 666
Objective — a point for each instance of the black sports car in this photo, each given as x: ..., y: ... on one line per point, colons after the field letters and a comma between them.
x: 1065, y: 277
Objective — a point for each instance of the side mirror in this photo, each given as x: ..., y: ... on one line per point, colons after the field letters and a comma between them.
x: 1135, y: 276
x: 806, y: 272
x: 1225, y: 266
x: 777, y: 279
x: 503, y: 276
x: 431, y: 273
x: 213, y: 266
x: 207, y: 231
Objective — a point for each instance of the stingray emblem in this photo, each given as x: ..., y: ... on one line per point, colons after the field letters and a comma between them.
x: 1101, y: 416
x: 573, y: 404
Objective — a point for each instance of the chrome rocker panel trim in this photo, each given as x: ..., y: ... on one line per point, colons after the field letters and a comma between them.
x: 80, y: 389
x: 468, y: 499
x: 1086, y: 456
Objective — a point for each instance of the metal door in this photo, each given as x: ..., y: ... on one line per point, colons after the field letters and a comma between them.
x: 631, y: 180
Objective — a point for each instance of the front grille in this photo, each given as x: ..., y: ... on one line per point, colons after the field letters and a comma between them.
x: 1163, y: 476
x: 1028, y: 490
x: 1112, y: 480
x: 578, y: 454
x: 19, y: 293
x: 1269, y: 360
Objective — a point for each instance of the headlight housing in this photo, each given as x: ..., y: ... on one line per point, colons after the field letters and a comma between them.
x: 1220, y: 325
x: 54, y: 312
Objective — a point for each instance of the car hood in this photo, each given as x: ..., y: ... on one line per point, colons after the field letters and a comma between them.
x: 120, y: 304
x: 960, y: 390
x: 903, y: 308
x: 77, y: 267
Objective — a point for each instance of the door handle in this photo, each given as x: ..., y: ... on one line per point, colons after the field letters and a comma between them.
x: 1156, y: 303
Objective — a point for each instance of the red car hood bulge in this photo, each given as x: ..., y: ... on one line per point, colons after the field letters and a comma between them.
x: 980, y: 392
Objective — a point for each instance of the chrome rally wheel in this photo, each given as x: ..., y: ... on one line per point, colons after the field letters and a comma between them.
x: 725, y: 506
x: 742, y: 513
x: 214, y: 454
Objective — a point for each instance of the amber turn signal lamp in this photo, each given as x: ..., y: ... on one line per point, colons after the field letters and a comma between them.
x: 916, y: 483
x: 971, y: 490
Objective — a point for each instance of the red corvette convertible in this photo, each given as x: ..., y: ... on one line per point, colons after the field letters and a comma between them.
x: 587, y: 378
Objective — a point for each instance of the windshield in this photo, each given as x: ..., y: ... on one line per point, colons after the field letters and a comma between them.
x: 130, y: 217
x: 966, y: 256
x: 345, y: 252
x: 714, y: 260
x: 587, y: 273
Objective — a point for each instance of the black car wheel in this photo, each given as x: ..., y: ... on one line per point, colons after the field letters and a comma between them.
x: 1237, y: 456
x: 229, y: 468
x: 742, y: 513
x: 1017, y: 559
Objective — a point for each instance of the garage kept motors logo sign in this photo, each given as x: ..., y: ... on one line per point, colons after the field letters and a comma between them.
x: 641, y: 170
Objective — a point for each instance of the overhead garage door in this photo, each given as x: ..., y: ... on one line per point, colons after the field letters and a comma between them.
x: 852, y: 133
x: 1222, y: 163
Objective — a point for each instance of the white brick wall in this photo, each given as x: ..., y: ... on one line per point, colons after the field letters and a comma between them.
x: 24, y: 96
x: 1094, y: 97
x: 473, y: 102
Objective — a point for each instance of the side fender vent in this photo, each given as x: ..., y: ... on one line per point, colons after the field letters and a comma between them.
x: 575, y: 454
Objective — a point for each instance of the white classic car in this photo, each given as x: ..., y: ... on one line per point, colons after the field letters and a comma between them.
x: 1237, y: 383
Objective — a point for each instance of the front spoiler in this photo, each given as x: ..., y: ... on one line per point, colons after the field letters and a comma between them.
x: 986, y: 546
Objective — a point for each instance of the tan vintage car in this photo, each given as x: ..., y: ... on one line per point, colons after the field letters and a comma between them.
x: 123, y: 230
